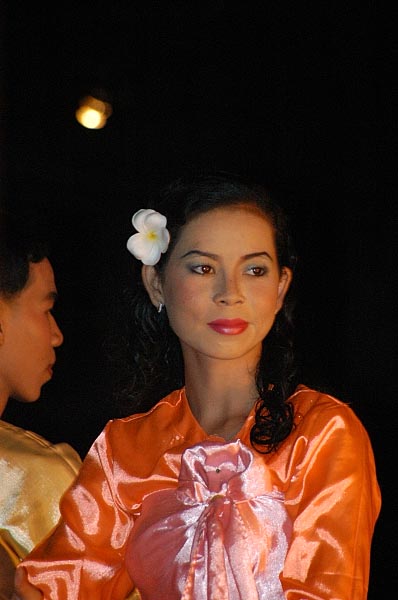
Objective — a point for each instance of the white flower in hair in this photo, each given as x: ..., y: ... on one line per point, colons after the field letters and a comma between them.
x: 152, y: 238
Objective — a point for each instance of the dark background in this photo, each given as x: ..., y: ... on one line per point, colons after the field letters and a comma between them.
x: 296, y: 95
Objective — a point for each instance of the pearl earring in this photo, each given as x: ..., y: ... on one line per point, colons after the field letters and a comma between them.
x: 160, y: 307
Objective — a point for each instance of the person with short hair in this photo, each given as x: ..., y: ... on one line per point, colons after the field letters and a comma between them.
x: 34, y: 473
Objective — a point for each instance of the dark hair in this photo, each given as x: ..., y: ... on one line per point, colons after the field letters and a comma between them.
x: 153, y: 365
x: 19, y: 246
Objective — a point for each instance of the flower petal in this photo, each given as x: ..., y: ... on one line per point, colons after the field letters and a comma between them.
x: 152, y: 257
x: 138, y: 244
x: 146, y: 250
x: 164, y: 239
x: 154, y: 221
x: 139, y: 218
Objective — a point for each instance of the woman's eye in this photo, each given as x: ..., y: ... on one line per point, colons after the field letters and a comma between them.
x: 257, y: 271
x: 202, y: 269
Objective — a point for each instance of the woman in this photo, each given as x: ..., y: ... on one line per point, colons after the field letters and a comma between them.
x: 233, y: 482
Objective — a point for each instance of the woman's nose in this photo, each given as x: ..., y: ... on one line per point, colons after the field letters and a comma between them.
x: 228, y: 290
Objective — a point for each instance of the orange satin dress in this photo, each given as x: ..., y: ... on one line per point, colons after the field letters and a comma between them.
x: 322, y: 476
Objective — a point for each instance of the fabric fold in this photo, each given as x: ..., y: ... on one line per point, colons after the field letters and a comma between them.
x: 221, y: 534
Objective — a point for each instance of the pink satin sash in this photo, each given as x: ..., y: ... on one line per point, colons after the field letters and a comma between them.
x: 222, y: 534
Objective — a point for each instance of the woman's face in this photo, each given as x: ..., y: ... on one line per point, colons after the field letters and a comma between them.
x: 222, y: 285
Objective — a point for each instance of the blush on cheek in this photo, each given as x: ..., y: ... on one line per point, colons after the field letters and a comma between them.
x: 188, y: 300
x: 187, y: 297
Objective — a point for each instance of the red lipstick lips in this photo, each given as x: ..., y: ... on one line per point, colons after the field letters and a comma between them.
x: 228, y: 326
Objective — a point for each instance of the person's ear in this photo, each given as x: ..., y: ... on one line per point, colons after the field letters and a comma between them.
x: 283, y: 286
x: 153, y: 284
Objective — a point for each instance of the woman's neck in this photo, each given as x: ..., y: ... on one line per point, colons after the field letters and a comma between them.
x: 221, y: 394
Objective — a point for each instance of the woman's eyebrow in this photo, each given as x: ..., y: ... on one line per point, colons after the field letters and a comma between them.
x: 199, y: 253
x: 257, y: 254
x: 215, y: 256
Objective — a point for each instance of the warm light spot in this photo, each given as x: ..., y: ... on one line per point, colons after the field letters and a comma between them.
x: 93, y: 113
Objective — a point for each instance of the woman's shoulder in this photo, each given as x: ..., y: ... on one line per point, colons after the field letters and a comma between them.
x: 306, y: 396
x: 161, y: 415
x: 318, y: 408
x: 146, y: 436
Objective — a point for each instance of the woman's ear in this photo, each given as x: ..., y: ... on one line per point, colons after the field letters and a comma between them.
x: 153, y: 284
x: 284, y: 284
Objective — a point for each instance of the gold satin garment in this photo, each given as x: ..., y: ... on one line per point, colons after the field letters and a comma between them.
x: 33, y: 476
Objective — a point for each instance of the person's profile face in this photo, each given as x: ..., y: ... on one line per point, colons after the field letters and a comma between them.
x: 30, y: 335
x: 222, y: 285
